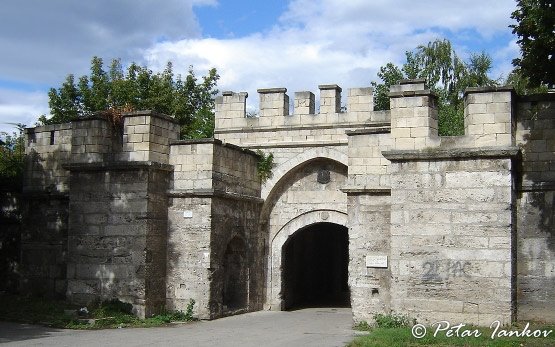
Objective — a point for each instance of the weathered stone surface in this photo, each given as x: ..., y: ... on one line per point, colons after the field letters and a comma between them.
x: 439, y: 228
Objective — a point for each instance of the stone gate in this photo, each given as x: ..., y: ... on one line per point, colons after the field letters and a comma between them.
x: 365, y: 208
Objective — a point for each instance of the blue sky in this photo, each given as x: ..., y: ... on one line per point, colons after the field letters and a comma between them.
x: 230, y: 19
x: 297, y: 44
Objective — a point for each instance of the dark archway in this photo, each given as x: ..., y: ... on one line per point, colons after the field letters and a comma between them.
x: 315, y: 267
x: 236, y: 276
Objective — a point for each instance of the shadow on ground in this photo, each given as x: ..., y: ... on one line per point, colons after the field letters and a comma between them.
x: 13, y: 332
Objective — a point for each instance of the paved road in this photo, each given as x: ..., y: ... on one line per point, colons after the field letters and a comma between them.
x: 307, y: 327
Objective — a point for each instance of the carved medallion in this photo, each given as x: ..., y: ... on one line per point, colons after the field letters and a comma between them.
x: 323, y: 176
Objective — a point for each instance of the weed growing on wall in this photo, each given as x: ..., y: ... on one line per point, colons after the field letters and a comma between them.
x: 264, y: 165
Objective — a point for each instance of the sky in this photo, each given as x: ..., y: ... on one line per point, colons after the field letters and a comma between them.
x: 296, y: 44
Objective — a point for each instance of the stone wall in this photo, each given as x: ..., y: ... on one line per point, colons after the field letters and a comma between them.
x: 10, y: 239
x: 452, y: 236
x: 214, y: 203
x: 45, y: 210
x: 452, y: 209
x: 440, y: 228
x: 535, y: 135
x: 105, y: 237
x: 117, y: 234
x: 48, y: 148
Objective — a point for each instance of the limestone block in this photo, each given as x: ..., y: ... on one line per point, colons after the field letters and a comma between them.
x: 501, y: 97
x: 419, y: 132
x: 405, y: 143
x: 486, y: 141
x: 476, y: 129
x: 401, y: 133
x: 479, y: 98
x: 477, y: 108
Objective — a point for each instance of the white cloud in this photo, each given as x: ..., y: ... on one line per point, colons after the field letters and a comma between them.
x: 43, y: 41
x: 331, y: 41
x: 314, y: 42
x: 21, y: 107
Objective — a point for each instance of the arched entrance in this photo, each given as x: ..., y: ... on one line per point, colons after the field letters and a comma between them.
x: 315, y: 267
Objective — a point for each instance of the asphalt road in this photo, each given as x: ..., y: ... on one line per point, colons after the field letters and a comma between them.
x: 307, y: 327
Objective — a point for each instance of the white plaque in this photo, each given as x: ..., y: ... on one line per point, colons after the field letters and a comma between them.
x: 188, y: 214
x: 379, y: 261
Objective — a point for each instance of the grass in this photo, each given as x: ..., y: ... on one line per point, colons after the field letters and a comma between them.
x: 56, y: 313
x: 402, y: 337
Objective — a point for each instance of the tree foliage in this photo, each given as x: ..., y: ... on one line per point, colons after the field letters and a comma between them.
x: 446, y: 74
x: 535, y: 29
x: 522, y: 85
x: 12, y: 154
x: 188, y: 100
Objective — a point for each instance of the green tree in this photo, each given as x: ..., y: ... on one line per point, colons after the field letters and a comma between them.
x: 535, y: 29
x: 446, y: 74
x: 390, y: 74
x: 188, y: 100
x: 65, y: 102
x: 12, y: 154
x: 522, y: 84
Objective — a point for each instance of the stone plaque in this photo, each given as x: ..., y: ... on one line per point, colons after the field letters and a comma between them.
x: 323, y: 176
x: 379, y: 261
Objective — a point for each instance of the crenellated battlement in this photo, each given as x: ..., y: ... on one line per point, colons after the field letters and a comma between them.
x: 274, y: 109
x: 303, y: 120
x: 412, y: 119
x: 141, y: 136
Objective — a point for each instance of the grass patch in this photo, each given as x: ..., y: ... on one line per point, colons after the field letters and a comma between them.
x: 60, y: 314
x: 402, y: 337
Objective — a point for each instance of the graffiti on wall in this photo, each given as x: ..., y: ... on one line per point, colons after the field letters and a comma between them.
x: 443, y: 270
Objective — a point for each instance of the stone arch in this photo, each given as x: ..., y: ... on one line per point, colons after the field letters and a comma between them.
x: 235, y: 275
x: 300, y: 159
x: 271, y: 190
x: 274, y: 299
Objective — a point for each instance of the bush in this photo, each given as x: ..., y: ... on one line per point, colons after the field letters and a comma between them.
x: 113, y: 307
x: 177, y: 316
x: 363, y: 326
x: 391, y: 320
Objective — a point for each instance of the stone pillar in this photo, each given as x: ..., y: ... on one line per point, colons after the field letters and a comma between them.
x: 330, y: 98
x: 304, y: 103
x: 273, y: 102
x: 488, y: 116
x: 230, y: 109
x: 414, y: 119
x: 147, y: 135
x: 360, y: 100
x: 92, y: 140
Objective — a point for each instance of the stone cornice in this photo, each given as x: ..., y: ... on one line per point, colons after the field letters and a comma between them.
x: 447, y: 154
x: 117, y: 166
x: 213, y: 141
x: 354, y: 190
x: 337, y: 125
x: 211, y: 193
x: 366, y: 131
